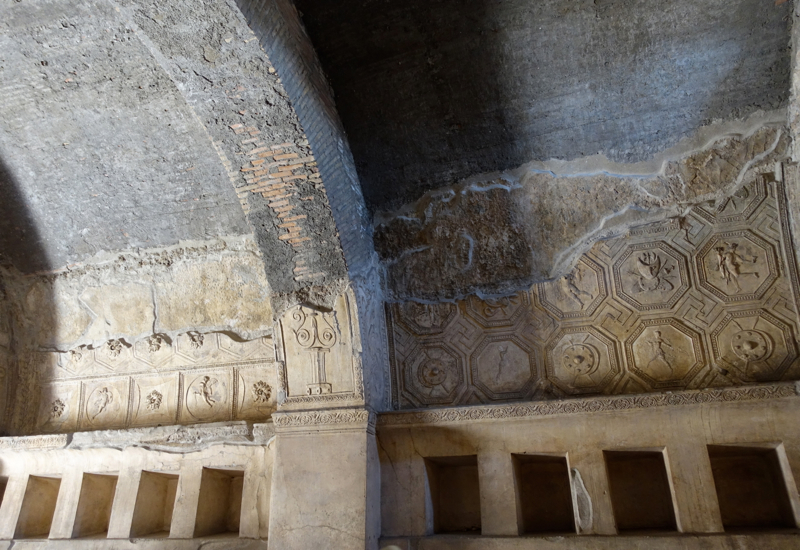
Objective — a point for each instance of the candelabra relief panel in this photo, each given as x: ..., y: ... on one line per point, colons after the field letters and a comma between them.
x: 706, y: 300
x: 157, y: 381
x: 320, y: 349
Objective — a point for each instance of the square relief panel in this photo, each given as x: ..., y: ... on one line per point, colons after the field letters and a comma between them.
x: 318, y: 349
x: 105, y: 404
x: 208, y: 396
x: 186, y: 378
x: 257, y: 395
x: 59, y: 407
x: 155, y: 400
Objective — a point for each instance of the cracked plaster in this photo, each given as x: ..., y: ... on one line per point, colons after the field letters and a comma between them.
x: 497, y: 233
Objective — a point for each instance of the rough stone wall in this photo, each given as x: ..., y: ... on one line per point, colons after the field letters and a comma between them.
x: 497, y: 233
x: 431, y: 92
x: 281, y: 33
x: 218, y: 64
x: 101, y: 150
x: 7, y: 354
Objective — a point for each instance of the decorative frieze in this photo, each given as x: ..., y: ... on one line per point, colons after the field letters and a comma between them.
x: 327, y: 420
x: 156, y: 381
x: 590, y: 405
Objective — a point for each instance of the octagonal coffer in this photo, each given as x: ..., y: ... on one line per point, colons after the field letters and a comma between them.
x: 505, y: 367
x: 651, y: 276
x: 582, y: 360
x: 737, y: 266
x: 755, y: 344
x: 664, y: 353
x: 434, y: 374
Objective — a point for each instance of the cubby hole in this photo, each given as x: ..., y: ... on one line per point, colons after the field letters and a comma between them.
x: 3, y: 484
x: 155, y: 502
x: 751, y: 489
x: 94, y: 505
x: 544, y: 494
x: 38, y: 506
x: 220, y: 503
x: 454, y: 494
x: 640, y: 491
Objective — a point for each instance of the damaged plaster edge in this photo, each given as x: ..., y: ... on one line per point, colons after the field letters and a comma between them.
x: 96, y: 271
x: 703, y: 139
x: 188, y: 249
x: 605, y: 229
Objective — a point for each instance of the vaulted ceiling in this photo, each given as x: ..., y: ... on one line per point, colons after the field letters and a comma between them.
x: 432, y: 91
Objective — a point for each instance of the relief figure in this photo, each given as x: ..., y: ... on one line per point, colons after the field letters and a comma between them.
x: 652, y: 273
x: 503, y: 365
x: 101, y: 401
x: 659, y: 346
x: 206, y: 391
x: 570, y: 287
x: 729, y: 264
x: 154, y: 399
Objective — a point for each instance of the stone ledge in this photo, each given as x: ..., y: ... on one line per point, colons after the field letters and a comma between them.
x: 162, y: 438
x: 336, y: 420
x: 207, y: 543
x: 754, y: 541
x: 590, y: 405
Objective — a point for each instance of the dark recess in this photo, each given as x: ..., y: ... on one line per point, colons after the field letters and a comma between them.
x: 751, y: 490
x: 640, y: 491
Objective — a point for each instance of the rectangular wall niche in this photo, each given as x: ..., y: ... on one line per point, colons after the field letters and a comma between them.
x: 454, y: 497
x: 38, y: 507
x: 3, y: 485
x: 544, y: 494
x: 750, y: 487
x: 220, y: 502
x: 94, y: 505
x: 155, y: 502
x: 640, y: 490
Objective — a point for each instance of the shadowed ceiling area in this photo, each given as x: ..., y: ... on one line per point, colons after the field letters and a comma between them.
x: 431, y: 91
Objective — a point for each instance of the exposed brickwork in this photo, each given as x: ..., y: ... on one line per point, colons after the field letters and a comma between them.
x: 281, y: 34
x: 276, y: 173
